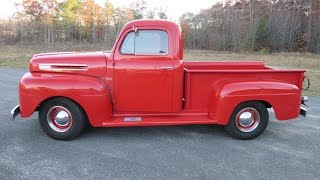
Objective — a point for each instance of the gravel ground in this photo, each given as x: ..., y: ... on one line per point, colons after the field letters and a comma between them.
x: 286, y: 150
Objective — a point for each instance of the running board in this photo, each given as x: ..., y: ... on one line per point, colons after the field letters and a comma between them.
x: 120, y: 120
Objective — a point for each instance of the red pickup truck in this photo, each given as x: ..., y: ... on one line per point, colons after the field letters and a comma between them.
x: 144, y: 81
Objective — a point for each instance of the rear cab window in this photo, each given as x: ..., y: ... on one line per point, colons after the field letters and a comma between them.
x: 145, y: 42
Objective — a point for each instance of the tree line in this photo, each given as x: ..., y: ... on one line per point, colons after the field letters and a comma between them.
x: 71, y: 21
x: 255, y: 25
x: 231, y: 25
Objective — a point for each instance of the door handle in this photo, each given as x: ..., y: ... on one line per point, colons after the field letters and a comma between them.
x: 166, y: 68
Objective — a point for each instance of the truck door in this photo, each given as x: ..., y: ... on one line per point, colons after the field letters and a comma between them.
x: 143, y: 71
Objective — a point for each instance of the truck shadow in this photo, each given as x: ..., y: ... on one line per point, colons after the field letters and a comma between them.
x: 155, y: 132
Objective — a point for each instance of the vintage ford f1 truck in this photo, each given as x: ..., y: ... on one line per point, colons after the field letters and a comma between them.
x: 144, y: 81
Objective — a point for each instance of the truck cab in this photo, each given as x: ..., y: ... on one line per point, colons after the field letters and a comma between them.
x: 147, y: 59
x: 144, y: 81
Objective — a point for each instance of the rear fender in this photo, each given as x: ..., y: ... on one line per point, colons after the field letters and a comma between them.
x: 89, y: 92
x: 225, y: 97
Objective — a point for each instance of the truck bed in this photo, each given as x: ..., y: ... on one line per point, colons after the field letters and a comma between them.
x: 201, y: 77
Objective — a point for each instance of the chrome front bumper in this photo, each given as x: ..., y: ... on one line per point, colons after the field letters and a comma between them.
x: 15, y: 112
x: 303, y: 111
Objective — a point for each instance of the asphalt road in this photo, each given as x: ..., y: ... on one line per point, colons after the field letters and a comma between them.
x: 286, y: 150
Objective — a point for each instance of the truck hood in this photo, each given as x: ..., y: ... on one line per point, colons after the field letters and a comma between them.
x: 86, y: 63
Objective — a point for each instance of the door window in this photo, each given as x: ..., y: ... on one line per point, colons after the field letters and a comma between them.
x: 145, y: 42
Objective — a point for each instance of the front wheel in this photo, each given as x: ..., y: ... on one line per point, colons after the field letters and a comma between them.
x: 62, y: 119
x: 248, y: 120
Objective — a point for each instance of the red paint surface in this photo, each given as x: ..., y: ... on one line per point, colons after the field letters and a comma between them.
x: 116, y: 86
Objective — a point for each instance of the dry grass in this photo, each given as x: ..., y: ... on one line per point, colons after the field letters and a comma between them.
x: 18, y: 57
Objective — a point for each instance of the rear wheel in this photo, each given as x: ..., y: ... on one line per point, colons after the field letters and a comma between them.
x: 248, y: 120
x: 62, y: 119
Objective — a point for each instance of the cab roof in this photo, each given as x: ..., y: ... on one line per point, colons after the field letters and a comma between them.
x: 153, y: 22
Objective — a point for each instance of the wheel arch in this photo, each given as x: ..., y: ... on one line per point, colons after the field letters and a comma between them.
x: 284, y: 98
x: 64, y: 97
x: 84, y: 108
x: 265, y: 103
x: 90, y: 93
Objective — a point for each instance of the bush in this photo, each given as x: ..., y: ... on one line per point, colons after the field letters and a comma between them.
x: 264, y: 50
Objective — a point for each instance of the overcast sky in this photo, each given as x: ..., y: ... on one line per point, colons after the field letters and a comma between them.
x: 175, y: 8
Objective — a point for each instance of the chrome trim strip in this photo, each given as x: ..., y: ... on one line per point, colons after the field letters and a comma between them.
x: 63, y: 67
x: 166, y: 68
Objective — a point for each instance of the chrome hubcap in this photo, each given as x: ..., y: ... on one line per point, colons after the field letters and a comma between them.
x: 248, y: 119
x: 59, y: 119
x: 62, y: 118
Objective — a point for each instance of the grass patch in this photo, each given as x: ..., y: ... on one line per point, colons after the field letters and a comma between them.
x: 19, y: 56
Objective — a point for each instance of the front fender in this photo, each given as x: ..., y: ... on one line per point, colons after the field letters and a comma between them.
x: 89, y: 92
x: 283, y: 97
